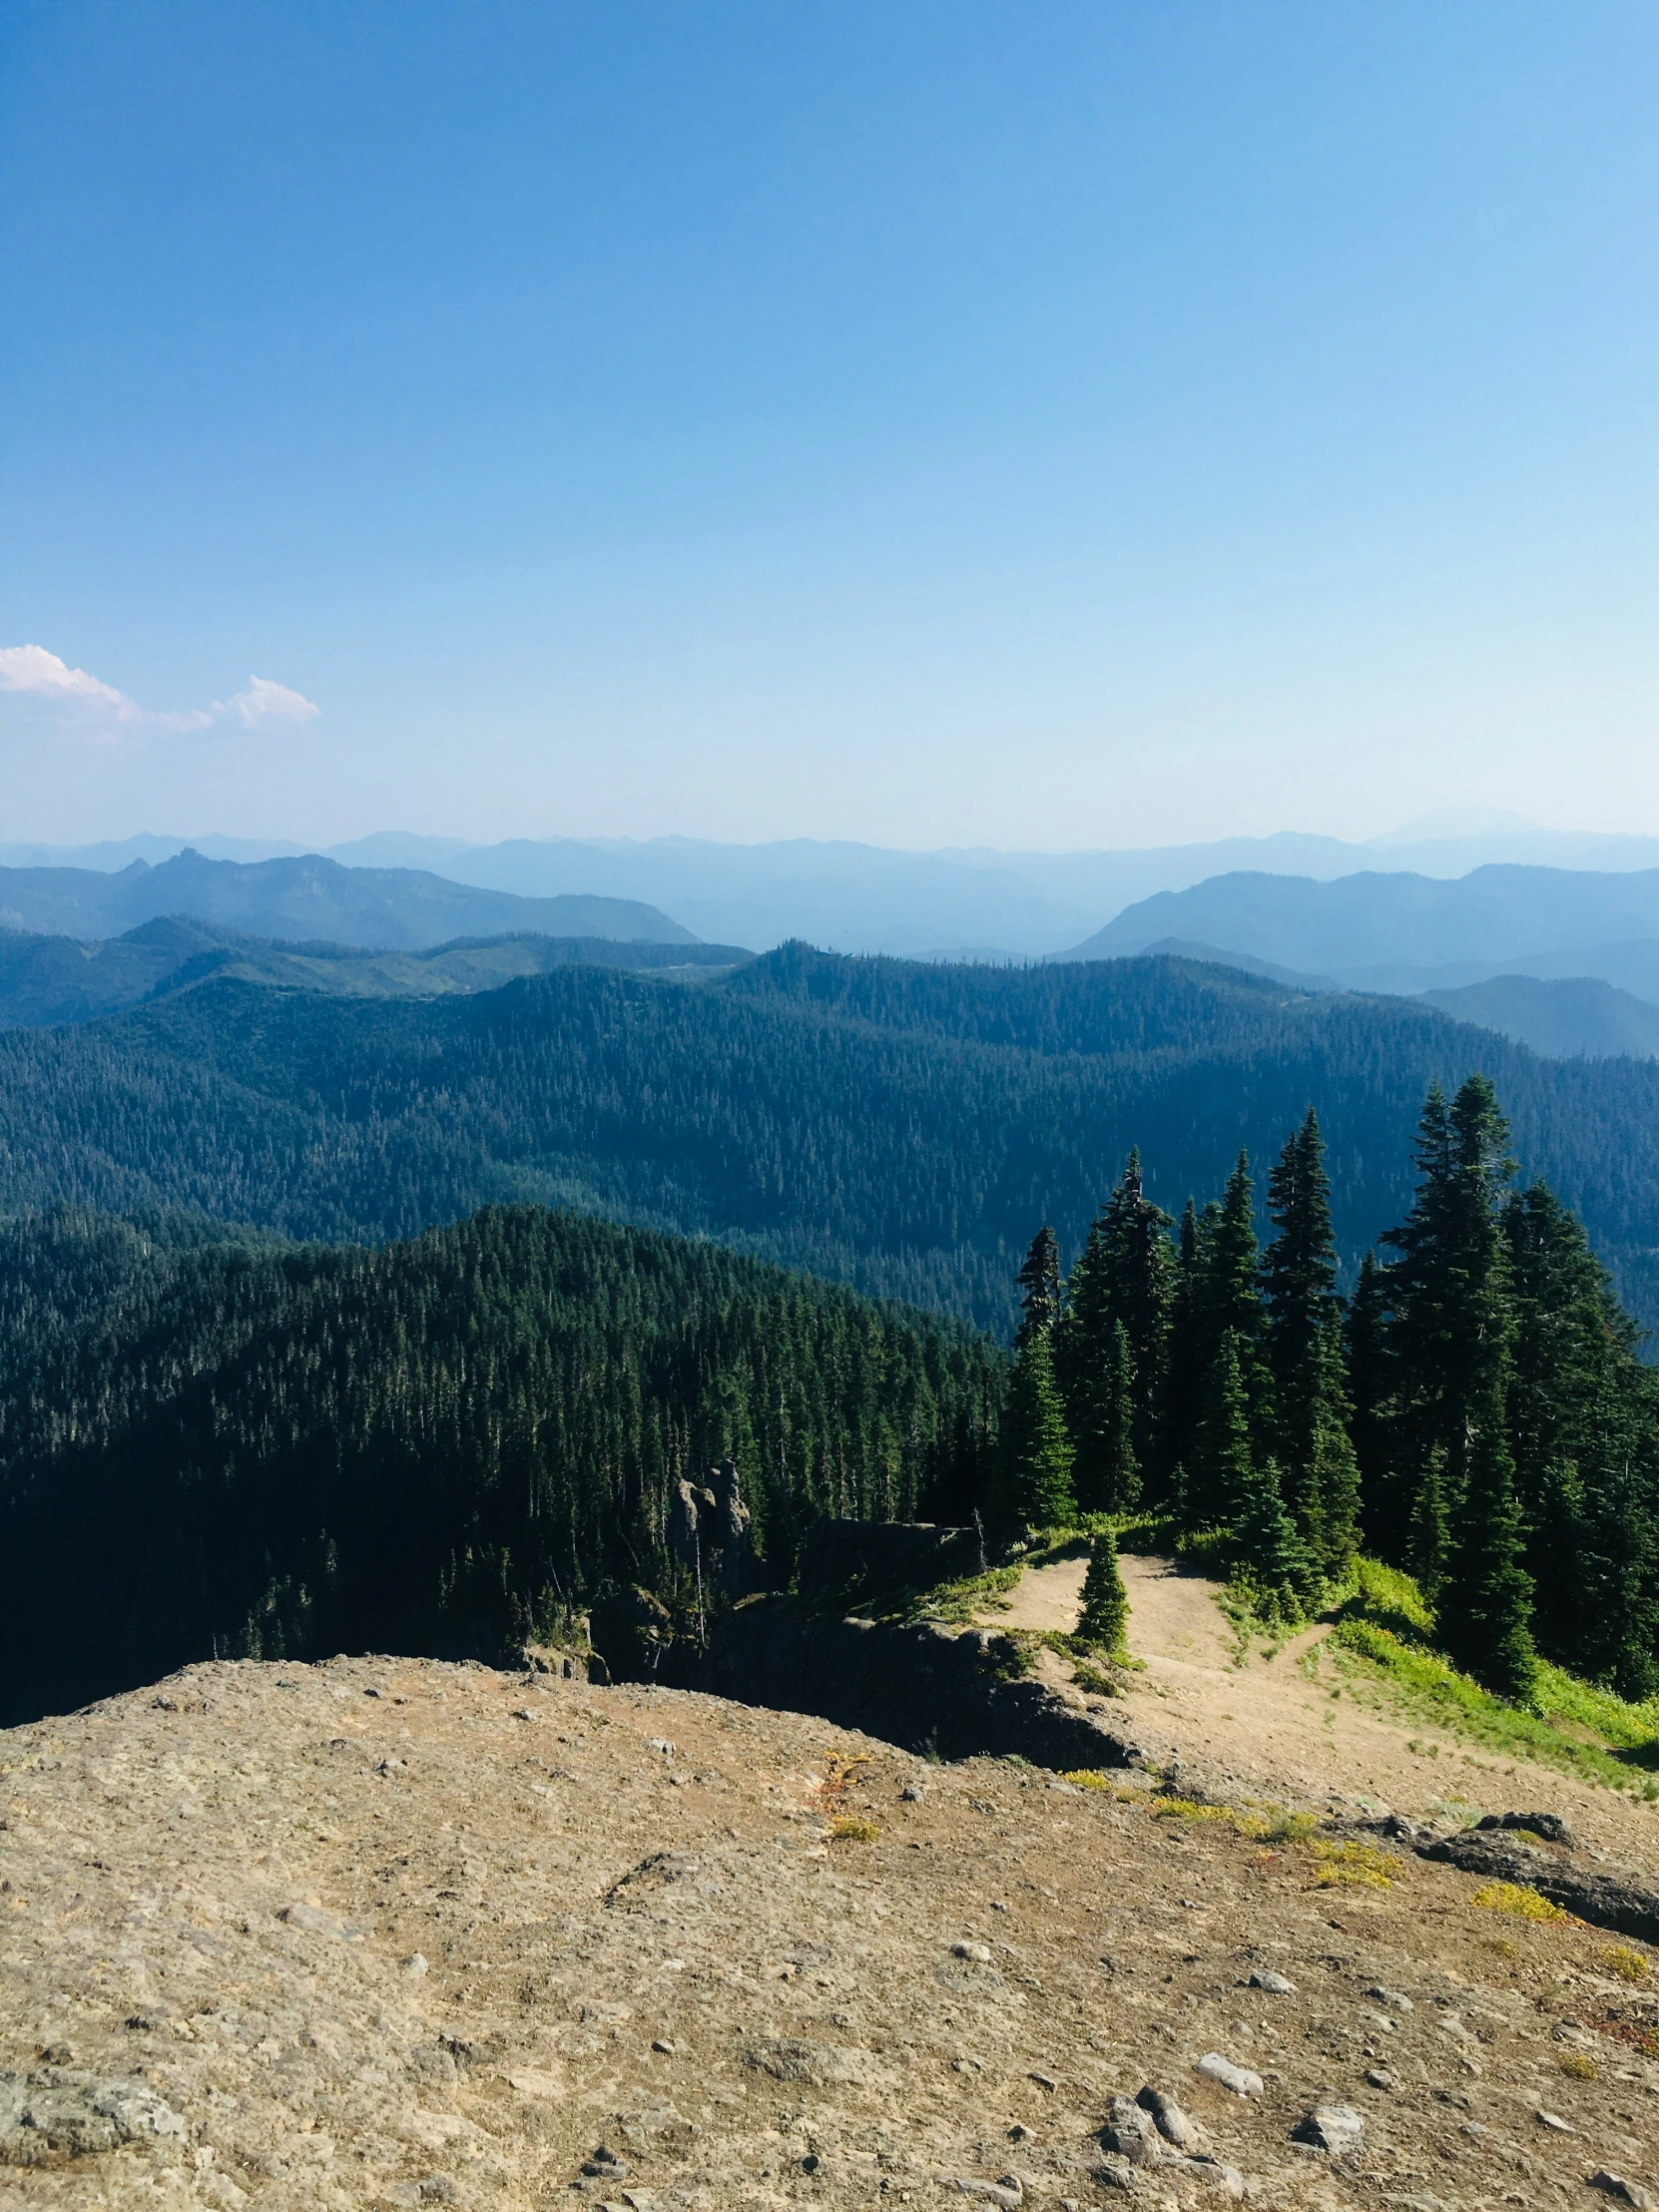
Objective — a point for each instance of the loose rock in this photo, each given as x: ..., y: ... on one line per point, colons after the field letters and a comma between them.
x: 1132, y: 2132
x: 1173, y: 2124
x: 1274, y: 1983
x: 1625, y: 2192
x: 1335, y: 2128
x: 51, y: 2115
x: 1239, y: 2079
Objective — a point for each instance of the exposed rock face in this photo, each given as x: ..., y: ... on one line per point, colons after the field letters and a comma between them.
x: 708, y: 1533
x: 1606, y: 1900
x: 846, y: 1562
x: 53, y: 2114
x: 927, y: 1688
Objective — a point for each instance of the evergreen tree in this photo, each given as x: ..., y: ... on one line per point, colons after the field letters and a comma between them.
x: 1039, y: 1453
x: 1124, y: 1274
x: 1189, y: 1345
x: 1220, y: 1472
x: 1105, y: 1616
x: 1428, y: 1542
x: 1105, y: 1473
x: 1299, y: 1276
x: 1233, y: 1261
x: 1485, y: 1612
x: 1453, y: 1316
x: 1268, y: 1548
x: 1039, y: 1285
x: 1330, y: 1524
x: 1387, y: 1500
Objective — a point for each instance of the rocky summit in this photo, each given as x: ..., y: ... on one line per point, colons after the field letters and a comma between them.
x: 388, y: 1932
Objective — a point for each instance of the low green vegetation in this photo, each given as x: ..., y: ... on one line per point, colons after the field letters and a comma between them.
x: 1382, y: 1640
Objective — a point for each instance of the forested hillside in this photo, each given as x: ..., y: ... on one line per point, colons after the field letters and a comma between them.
x: 46, y: 981
x: 211, y: 1446
x: 1475, y: 1411
x: 897, y: 1125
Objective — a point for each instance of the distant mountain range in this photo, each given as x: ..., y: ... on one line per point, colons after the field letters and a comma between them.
x: 47, y: 980
x: 310, y: 898
x: 1411, y: 934
x: 868, y: 898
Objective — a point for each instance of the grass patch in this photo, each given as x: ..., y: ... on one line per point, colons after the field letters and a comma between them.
x: 1519, y: 1901
x: 1578, y: 2065
x: 1382, y: 1636
x: 854, y: 1828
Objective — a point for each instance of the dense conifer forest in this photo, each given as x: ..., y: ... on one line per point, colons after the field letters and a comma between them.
x: 207, y: 1446
x: 1475, y: 1411
x: 213, y: 1442
x: 891, y: 1124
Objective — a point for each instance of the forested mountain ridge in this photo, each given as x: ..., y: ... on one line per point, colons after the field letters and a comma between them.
x: 305, y: 899
x: 207, y: 1446
x: 45, y: 980
x: 1562, y: 1017
x: 893, y: 1124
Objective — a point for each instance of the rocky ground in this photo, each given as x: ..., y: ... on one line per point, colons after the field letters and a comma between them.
x: 386, y: 1932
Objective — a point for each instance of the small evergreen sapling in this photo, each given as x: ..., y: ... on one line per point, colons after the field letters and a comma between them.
x: 1105, y: 1615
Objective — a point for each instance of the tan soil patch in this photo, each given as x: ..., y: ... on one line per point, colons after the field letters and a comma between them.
x: 211, y: 1894
x: 1279, y: 1728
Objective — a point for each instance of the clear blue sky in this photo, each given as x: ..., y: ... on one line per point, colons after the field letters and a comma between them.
x: 936, y: 424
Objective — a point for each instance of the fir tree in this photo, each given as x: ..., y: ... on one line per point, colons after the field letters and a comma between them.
x: 1268, y: 1548
x: 1124, y: 1274
x: 1039, y: 1283
x: 1329, y: 1526
x: 1233, y: 1261
x: 1428, y: 1542
x: 1221, y: 1468
x: 1453, y: 1313
x: 1485, y: 1612
x: 1387, y: 1500
x: 1105, y: 1615
x: 1299, y: 1276
x: 1105, y: 1473
x: 1039, y: 1453
x: 1190, y: 1346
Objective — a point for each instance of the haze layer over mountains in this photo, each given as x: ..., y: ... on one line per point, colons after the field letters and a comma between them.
x: 861, y: 897
x: 1563, y: 958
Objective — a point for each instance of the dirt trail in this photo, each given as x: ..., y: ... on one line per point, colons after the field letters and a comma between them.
x: 1294, y: 1728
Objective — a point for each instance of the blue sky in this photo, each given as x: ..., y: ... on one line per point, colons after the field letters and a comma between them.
x: 1038, y: 426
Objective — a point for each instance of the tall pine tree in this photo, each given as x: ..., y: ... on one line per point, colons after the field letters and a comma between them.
x: 1310, y: 1413
x: 1221, y: 1470
x: 1485, y: 1612
x: 1124, y: 1276
x: 1038, y: 1447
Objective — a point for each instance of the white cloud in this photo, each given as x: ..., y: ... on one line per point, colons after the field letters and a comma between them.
x: 264, y: 700
x: 31, y: 669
